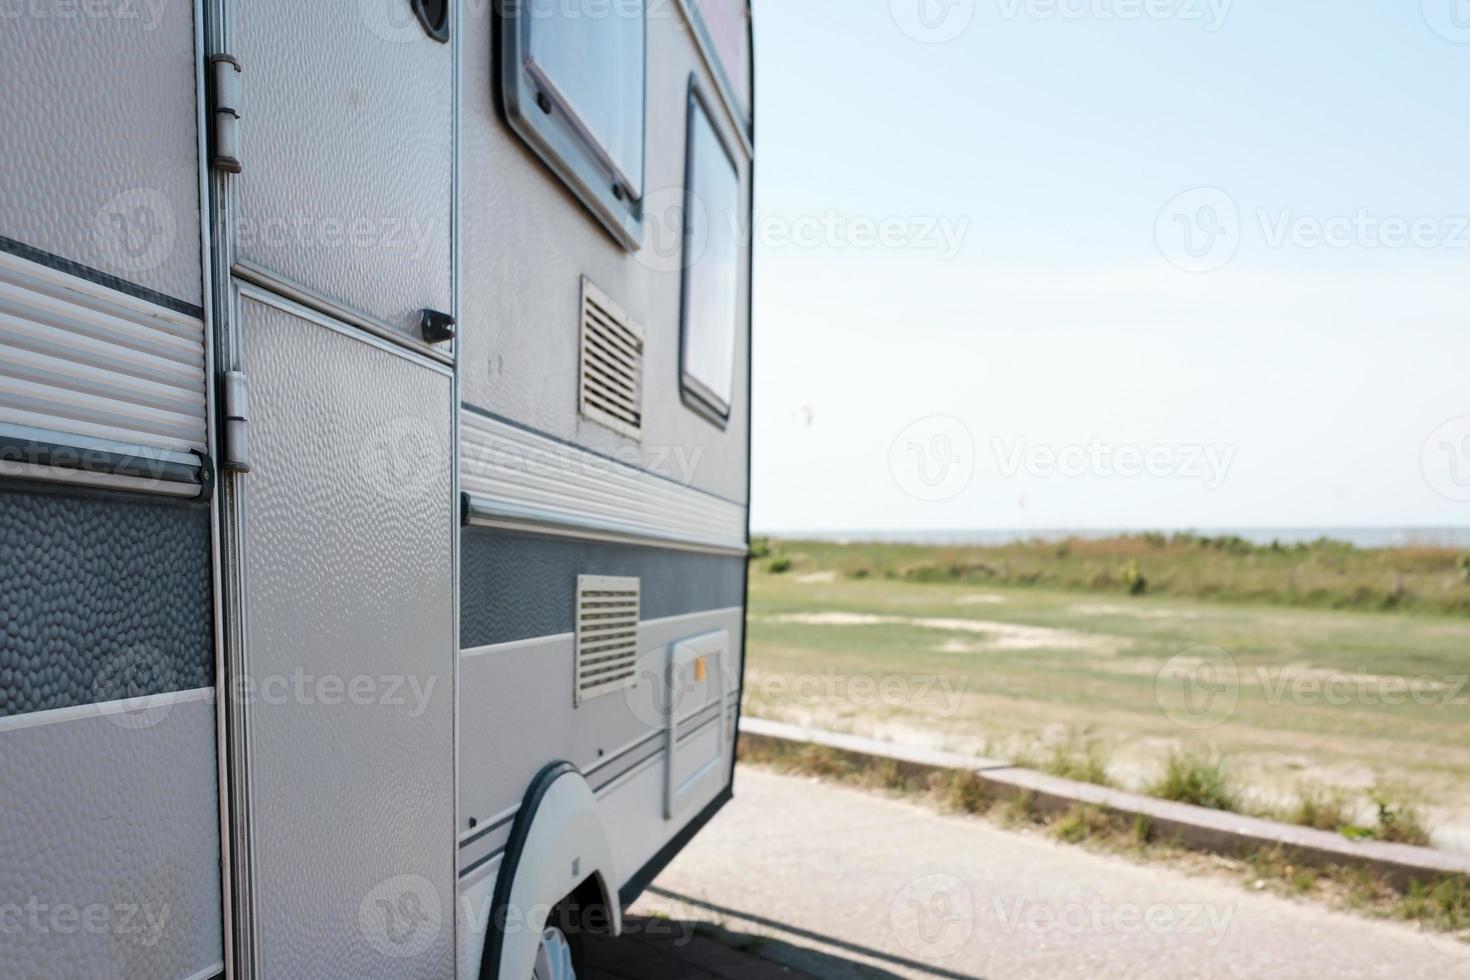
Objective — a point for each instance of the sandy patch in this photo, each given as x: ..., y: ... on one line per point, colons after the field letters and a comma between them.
x: 1347, y: 682
x: 1136, y: 612
x: 980, y: 600
x: 832, y: 619
x: 817, y: 578
x: 996, y: 636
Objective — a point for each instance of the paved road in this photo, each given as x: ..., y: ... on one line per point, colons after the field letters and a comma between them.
x: 851, y: 886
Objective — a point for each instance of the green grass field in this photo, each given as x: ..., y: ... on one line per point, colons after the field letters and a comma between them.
x: 1304, y: 700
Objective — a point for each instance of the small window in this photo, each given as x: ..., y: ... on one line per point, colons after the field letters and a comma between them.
x: 573, y: 82
x: 713, y: 217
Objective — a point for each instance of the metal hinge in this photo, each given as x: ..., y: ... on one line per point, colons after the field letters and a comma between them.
x: 234, y: 394
x: 226, y: 113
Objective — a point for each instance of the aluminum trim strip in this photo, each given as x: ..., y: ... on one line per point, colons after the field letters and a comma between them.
x: 57, y: 716
x: 271, y: 282
x: 512, y: 476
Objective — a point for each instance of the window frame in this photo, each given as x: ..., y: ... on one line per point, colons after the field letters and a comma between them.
x: 735, y: 100
x: 696, y: 394
x: 562, y: 139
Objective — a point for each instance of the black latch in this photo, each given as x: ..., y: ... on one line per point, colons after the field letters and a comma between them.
x: 436, y: 327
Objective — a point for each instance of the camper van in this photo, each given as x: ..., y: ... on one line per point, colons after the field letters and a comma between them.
x: 374, y: 477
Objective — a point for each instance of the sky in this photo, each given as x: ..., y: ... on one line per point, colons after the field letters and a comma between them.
x: 1043, y: 264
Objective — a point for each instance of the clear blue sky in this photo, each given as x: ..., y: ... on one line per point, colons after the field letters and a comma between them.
x: 1062, y: 320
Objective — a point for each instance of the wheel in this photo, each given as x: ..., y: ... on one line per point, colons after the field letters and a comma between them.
x: 554, y: 959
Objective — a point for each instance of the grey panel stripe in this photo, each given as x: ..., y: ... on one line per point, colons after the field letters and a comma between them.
x: 36, y: 255
x: 697, y: 722
x: 102, y: 598
x: 473, y: 856
x: 519, y: 587
x: 608, y: 777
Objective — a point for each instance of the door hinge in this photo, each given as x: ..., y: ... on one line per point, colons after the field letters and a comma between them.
x: 234, y: 392
x: 225, y: 70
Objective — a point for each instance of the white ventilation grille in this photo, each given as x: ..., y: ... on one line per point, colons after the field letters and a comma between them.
x: 607, y: 635
x: 611, y: 381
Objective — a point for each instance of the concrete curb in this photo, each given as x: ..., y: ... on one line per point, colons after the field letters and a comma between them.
x: 1198, y: 828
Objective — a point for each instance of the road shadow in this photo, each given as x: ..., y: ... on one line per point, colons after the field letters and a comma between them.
x: 654, y: 948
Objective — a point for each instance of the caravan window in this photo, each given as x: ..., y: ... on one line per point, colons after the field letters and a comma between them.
x: 726, y: 26
x: 573, y: 78
x: 713, y: 223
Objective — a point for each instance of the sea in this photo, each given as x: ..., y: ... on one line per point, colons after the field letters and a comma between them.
x: 1360, y: 537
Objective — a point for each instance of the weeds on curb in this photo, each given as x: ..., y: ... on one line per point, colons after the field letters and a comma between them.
x: 1196, y: 779
x: 1442, y: 906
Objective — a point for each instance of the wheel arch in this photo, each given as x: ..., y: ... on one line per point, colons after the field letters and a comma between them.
x: 558, y: 849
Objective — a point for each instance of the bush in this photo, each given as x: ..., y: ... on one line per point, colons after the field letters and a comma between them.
x: 779, y: 566
x: 1134, y: 580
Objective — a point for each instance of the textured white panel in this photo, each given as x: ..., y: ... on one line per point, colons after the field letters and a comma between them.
x: 348, y: 142
x: 116, y: 816
x: 521, y: 473
x: 99, y: 138
x: 349, y: 523
x: 78, y: 357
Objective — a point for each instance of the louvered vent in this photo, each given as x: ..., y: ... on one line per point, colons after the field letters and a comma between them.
x: 611, y: 381
x: 607, y: 635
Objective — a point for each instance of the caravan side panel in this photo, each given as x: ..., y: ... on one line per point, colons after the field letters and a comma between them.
x: 98, y: 136
x: 349, y: 664
x: 109, y: 806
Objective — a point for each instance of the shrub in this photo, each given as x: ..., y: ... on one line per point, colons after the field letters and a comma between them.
x: 779, y: 566
x: 1134, y: 580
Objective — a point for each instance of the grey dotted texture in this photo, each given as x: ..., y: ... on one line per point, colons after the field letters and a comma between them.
x: 101, y: 598
x: 516, y: 587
